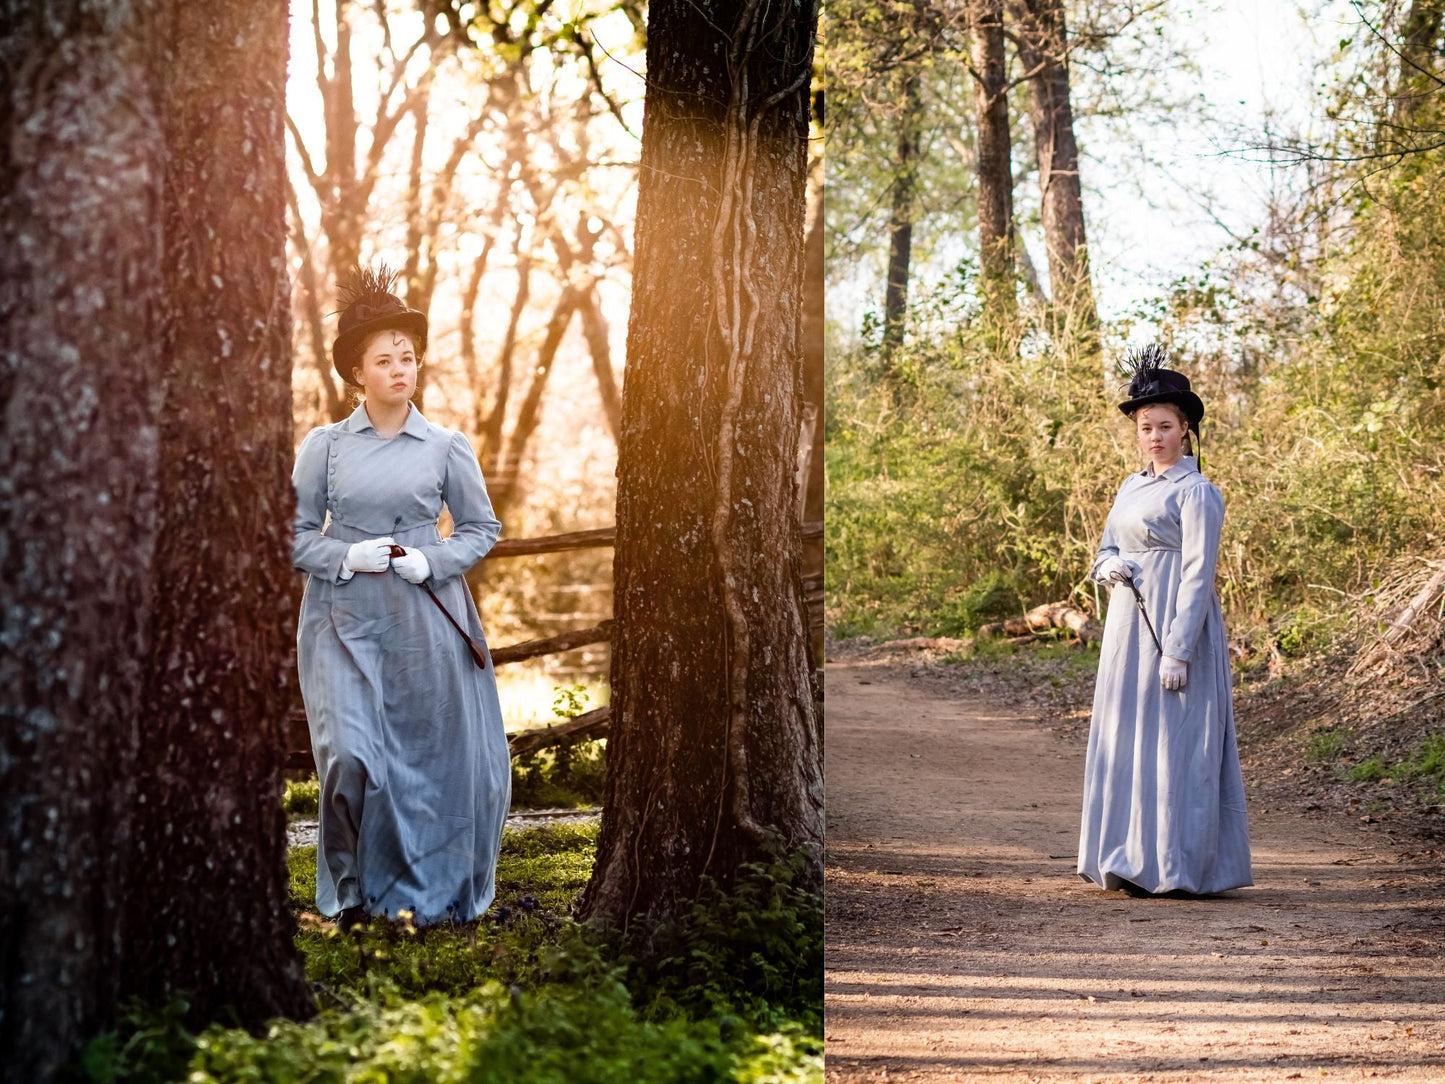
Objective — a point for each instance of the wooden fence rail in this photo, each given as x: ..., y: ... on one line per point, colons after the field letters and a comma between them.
x: 592, y: 724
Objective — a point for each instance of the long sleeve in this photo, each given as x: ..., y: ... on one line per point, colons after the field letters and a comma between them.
x: 312, y: 551
x: 1109, y: 543
x: 1201, y: 517
x: 475, y: 526
x: 1108, y: 547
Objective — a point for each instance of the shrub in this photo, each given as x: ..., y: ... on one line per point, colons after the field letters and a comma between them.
x: 302, y: 797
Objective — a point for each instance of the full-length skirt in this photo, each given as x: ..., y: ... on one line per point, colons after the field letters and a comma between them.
x: 410, y: 749
x: 1164, y: 803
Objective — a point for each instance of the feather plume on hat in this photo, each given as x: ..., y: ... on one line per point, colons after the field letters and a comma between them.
x: 1144, y: 362
x: 365, y: 284
x: 1152, y: 381
x: 367, y: 306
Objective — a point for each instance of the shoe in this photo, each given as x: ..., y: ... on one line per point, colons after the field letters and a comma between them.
x: 1134, y: 890
x: 351, y: 917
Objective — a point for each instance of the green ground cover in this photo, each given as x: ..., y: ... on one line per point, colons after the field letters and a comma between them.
x: 733, y: 993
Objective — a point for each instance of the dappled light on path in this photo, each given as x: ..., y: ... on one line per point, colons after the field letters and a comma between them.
x: 962, y: 945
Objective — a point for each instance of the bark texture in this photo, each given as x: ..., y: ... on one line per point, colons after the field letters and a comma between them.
x: 1043, y: 49
x: 902, y: 214
x: 141, y: 542
x: 715, y: 736
x: 994, y: 164
x: 811, y: 470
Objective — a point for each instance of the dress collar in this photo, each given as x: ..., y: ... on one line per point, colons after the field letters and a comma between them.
x: 1186, y: 465
x: 359, y: 421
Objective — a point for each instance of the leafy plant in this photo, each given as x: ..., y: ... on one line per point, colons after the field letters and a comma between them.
x: 731, y: 992
x: 302, y: 797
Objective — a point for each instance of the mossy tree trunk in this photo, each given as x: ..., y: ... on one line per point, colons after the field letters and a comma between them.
x: 145, y: 533
x: 715, y: 737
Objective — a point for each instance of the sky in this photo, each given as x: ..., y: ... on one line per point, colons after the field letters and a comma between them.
x: 1148, y: 224
x: 1259, y: 63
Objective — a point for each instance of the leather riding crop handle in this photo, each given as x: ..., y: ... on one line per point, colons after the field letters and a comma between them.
x: 478, y: 655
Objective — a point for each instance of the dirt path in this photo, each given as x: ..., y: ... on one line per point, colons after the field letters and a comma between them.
x: 962, y: 946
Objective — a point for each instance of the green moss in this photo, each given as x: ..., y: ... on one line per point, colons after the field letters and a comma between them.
x: 1426, y: 764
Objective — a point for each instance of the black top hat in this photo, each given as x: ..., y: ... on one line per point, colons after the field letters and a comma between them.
x: 369, y: 306
x: 1152, y: 383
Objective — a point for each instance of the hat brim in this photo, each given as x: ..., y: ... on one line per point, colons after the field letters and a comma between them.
x: 1187, y: 401
x: 345, y: 346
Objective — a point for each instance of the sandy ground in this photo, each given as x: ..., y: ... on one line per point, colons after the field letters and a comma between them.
x: 962, y: 946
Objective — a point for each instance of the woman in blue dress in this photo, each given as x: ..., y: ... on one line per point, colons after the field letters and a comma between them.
x: 406, y: 728
x: 1164, y: 806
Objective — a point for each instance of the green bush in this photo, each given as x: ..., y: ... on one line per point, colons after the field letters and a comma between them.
x: 566, y: 776
x: 755, y: 950
x: 302, y: 797
x: 988, y: 599
x: 569, y: 775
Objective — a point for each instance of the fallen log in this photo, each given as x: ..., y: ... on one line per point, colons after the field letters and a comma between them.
x: 548, y: 645
x: 1049, y: 615
x: 593, y: 724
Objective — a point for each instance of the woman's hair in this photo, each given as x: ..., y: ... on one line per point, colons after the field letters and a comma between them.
x: 1189, y: 430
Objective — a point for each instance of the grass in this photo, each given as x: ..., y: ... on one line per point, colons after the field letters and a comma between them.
x: 1325, y: 745
x: 1425, y: 765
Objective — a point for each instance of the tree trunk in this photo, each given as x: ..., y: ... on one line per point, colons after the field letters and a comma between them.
x: 1042, y: 39
x: 1419, y: 56
x: 594, y: 327
x: 144, y: 534
x: 811, y: 466
x: 715, y: 736
x: 900, y: 221
x: 504, y: 486
x: 995, y: 170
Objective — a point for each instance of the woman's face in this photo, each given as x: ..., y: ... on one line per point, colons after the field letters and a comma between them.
x: 1161, y: 434
x: 387, y: 372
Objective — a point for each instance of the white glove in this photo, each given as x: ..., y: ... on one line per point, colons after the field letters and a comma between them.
x: 1173, y: 673
x: 413, y: 568
x: 1116, y: 570
x: 372, y: 555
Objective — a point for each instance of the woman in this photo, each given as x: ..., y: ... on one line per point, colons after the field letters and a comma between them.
x: 406, y: 728
x: 1163, y: 796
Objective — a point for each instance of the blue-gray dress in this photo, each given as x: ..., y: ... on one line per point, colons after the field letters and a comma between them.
x: 1163, y: 795
x: 407, y: 731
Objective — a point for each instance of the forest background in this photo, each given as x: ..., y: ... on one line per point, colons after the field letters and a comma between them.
x: 159, y: 913
x: 501, y: 182
x: 973, y: 447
